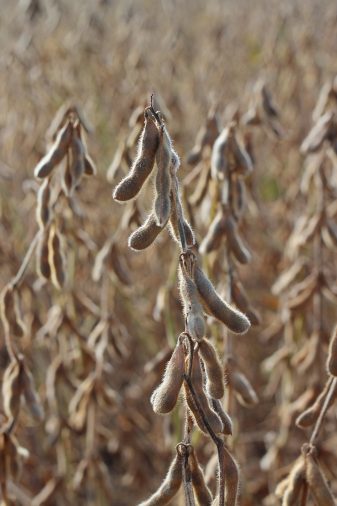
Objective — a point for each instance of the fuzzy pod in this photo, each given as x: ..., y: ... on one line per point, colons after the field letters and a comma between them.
x: 165, y: 397
x: 42, y: 255
x: 31, y: 396
x: 231, y: 471
x: 176, y: 212
x: 243, y: 162
x: 193, y: 311
x: 43, y: 204
x: 201, y: 188
x: 295, y: 483
x: 317, y: 482
x: 56, y: 258
x: 215, y: 233
x: 310, y: 415
x: 236, y: 321
x: 162, y: 203
x: 170, y: 485
x: 215, y: 385
x: 145, y: 235
x: 211, y: 416
x: 243, y: 389
x: 56, y: 153
x: 225, y: 418
x: 332, y: 357
x: 10, y: 311
x: 12, y: 385
x: 235, y: 243
x: 142, y: 167
x: 219, y: 159
x: 240, y: 299
x: 77, y: 151
x: 201, y: 490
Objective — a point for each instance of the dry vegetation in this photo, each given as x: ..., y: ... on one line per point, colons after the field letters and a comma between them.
x: 168, y: 235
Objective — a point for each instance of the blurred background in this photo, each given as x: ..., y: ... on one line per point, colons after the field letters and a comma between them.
x: 107, y: 57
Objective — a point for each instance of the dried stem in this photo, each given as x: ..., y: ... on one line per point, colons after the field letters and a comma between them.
x: 25, y: 263
x: 325, y: 407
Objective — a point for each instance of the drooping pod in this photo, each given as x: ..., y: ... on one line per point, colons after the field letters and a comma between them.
x: 56, y: 258
x: 240, y: 299
x: 145, y: 235
x: 236, y: 321
x: 43, y: 204
x: 193, y: 310
x: 162, y: 203
x: 142, y: 167
x: 201, y: 490
x: 235, y: 243
x: 211, y: 416
x: 294, y: 484
x: 77, y: 166
x: 214, y: 373
x: 164, y: 398
x: 214, y: 235
x: 10, y: 311
x: 225, y: 418
x: 12, y: 386
x: 56, y: 152
x: 332, y: 357
x: 176, y: 214
x: 242, y: 387
x: 219, y: 160
x: 231, y: 471
x: 42, y: 255
x: 316, y: 480
x: 310, y: 415
x: 170, y: 485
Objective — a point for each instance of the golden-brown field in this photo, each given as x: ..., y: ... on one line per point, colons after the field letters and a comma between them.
x: 120, y: 361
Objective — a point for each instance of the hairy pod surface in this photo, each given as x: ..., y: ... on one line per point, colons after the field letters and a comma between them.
x: 236, y: 321
x: 142, y: 167
x: 145, y: 235
x: 165, y: 397
x: 202, y: 492
x: 162, y: 204
x: 170, y: 485
x: 211, y: 416
x: 193, y: 311
x: 214, y: 373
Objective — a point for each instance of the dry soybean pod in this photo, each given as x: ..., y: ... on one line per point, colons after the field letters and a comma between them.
x: 195, y: 320
x: 164, y: 398
x: 142, y: 167
x: 332, y: 357
x: 77, y: 156
x: 144, y: 236
x: 211, y: 416
x: 10, y: 313
x: 176, y: 213
x: 42, y: 255
x: 295, y: 483
x: 310, y: 415
x: 214, y: 235
x: 56, y: 152
x: 43, y: 203
x: 235, y: 243
x: 225, y: 418
x: 316, y: 480
x: 231, y: 472
x: 162, y: 203
x: 219, y: 162
x: 170, y: 485
x: 202, y: 492
x: 12, y: 389
x: 56, y: 258
x: 214, y: 373
x: 242, y: 387
x: 236, y: 321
